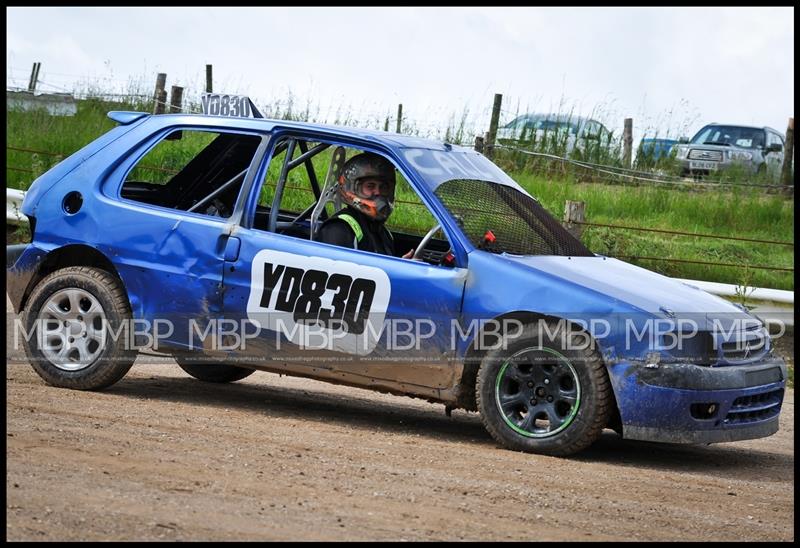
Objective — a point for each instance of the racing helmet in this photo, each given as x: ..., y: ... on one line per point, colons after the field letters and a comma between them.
x: 363, y: 166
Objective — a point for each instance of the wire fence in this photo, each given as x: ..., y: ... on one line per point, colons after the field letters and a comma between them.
x: 681, y: 233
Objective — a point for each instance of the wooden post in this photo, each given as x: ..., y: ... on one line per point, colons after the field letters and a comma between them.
x: 788, y: 155
x: 160, y: 93
x: 208, y: 79
x: 176, y: 99
x: 479, y: 143
x: 399, y: 117
x: 161, y: 102
x: 386, y: 124
x: 574, y: 213
x: 34, y: 77
x: 498, y: 101
x: 627, y: 142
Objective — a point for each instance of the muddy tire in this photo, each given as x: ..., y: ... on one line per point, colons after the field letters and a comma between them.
x: 543, y: 394
x: 78, y: 319
x: 213, y: 372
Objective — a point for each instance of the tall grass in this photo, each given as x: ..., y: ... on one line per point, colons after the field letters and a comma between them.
x: 738, y: 212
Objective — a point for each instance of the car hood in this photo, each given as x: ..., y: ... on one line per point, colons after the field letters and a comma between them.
x: 637, y: 287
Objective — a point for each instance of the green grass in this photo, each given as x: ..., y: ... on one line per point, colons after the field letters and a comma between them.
x: 737, y: 212
x: 59, y: 136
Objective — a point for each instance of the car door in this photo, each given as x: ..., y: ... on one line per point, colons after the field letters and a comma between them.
x: 338, y: 311
x: 171, y: 200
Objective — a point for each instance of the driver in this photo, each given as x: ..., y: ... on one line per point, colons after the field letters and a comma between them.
x: 366, y: 186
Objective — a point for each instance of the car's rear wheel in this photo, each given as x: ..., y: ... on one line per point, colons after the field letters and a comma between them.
x: 77, y: 321
x: 213, y: 372
x: 544, y: 394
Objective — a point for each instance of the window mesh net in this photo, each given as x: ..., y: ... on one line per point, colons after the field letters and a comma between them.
x: 518, y: 224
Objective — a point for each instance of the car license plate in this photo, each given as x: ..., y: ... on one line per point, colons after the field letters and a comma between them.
x: 702, y: 165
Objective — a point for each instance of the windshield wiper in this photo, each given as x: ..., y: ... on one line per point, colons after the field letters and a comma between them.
x: 722, y: 143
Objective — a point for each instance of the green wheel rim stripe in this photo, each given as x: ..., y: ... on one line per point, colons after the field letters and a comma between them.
x: 567, y: 421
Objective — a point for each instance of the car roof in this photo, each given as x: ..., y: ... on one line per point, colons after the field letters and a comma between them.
x: 740, y: 125
x: 555, y: 117
x: 393, y: 140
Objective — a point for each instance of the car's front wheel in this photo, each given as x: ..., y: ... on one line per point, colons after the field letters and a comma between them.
x: 544, y: 394
x: 77, y: 323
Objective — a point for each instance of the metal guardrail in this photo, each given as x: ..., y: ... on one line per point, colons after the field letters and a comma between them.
x: 14, y: 214
x: 751, y: 293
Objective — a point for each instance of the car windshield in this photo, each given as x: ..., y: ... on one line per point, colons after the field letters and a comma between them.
x: 742, y: 137
x: 501, y: 219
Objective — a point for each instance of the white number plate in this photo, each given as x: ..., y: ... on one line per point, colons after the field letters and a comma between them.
x: 702, y: 165
x: 236, y: 106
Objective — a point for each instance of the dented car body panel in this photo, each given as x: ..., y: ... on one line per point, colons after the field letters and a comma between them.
x: 194, y: 268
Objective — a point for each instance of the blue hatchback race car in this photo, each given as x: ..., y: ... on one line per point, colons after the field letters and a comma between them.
x: 197, y: 236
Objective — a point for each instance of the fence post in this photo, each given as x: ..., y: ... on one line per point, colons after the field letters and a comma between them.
x: 788, y: 154
x: 627, y: 142
x: 498, y: 101
x: 160, y: 93
x: 479, y: 143
x: 208, y: 79
x: 399, y: 117
x: 176, y: 98
x: 34, y: 76
x: 574, y: 213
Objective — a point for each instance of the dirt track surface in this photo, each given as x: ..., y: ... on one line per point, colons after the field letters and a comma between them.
x: 161, y: 456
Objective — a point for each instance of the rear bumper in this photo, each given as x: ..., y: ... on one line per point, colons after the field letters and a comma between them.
x: 695, y: 404
x: 13, y: 252
x: 22, y: 262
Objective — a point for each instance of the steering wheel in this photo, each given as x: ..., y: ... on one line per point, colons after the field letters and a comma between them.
x: 424, y: 242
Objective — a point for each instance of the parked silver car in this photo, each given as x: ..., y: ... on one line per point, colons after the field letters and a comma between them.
x: 719, y: 147
x: 556, y: 133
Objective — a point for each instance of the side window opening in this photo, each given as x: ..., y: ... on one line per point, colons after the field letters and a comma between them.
x: 193, y: 170
x: 305, y: 179
x: 304, y: 174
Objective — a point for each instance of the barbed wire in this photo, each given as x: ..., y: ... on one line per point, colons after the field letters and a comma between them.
x: 681, y: 233
x: 32, y: 151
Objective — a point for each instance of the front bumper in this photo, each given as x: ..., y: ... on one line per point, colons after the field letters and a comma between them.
x: 685, y: 403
